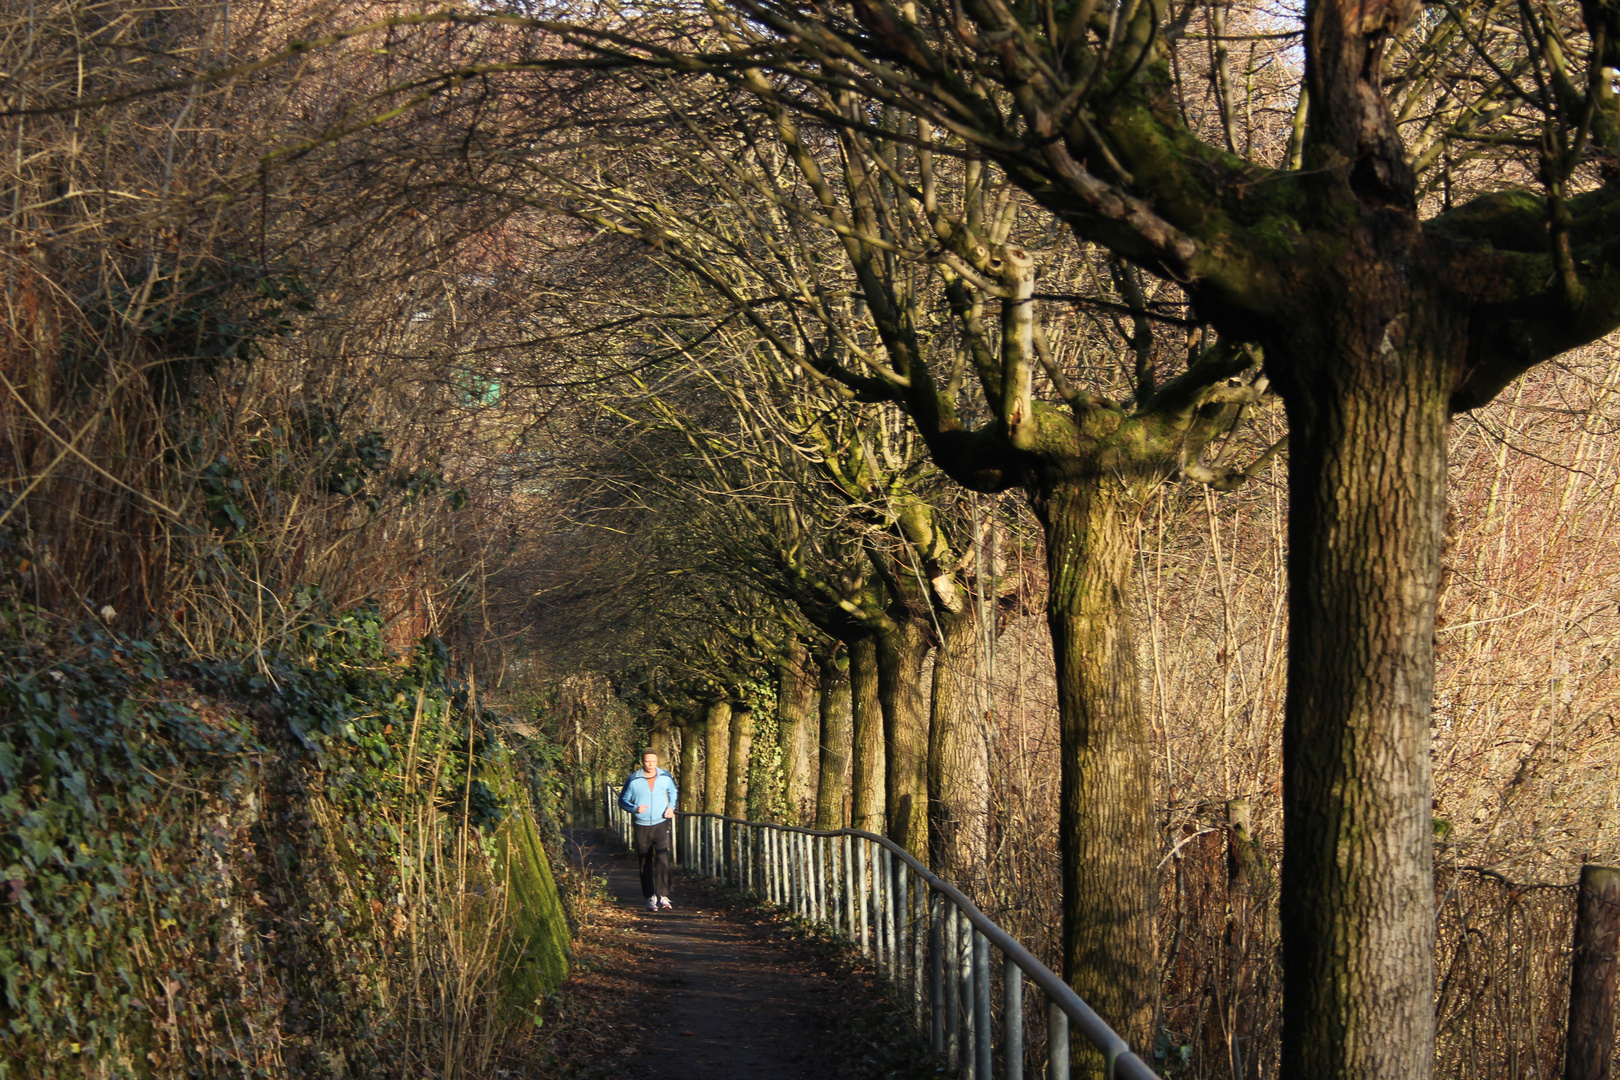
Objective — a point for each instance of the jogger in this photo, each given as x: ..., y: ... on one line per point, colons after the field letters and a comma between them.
x: 650, y: 795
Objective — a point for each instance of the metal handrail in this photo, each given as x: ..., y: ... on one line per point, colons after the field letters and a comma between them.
x: 842, y: 886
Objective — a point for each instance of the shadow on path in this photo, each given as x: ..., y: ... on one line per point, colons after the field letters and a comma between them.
x: 725, y: 1004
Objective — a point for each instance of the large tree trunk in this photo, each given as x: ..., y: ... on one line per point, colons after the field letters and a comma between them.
x: 1107, y: 845
x: 866, y: 799
x: 691, y: 782
x: 959, y: 735
x: 716, y: 755
x: 901, y: 652
x: 742, y: 742
x: 1367, y: 409
x: 837, y: 734
x: 795, y: 733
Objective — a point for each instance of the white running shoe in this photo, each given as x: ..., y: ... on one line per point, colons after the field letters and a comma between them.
x: 652, y: 903
x: 663, y: 902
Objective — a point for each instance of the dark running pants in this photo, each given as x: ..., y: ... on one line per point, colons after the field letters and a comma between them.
x: 652, y: 848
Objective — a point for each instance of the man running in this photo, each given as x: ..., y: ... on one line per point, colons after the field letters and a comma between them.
x: 650, y: 795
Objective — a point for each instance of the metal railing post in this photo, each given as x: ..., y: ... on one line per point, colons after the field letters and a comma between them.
x: 902, y: 925
x: 795, y: 888
x: 767, y: 859
x: 964, y: 991
x: 860, y: 889
x: 951, y: 985
x: 981, y: 1005
x: 891, y: 912
x: 784, y: 851
x: 1057, y: 1042
x: 834, y: 899
x: 936, y: 969
x: 1012, y: 1020
x: 848, y: 847
x: 779, y: 866
x: 919, y: 951
x: 802, y: 877
x: 778, y: 875
x: 879, y: 930
x: 818, y: 880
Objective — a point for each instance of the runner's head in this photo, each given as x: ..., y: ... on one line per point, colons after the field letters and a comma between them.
x: 649, y: 762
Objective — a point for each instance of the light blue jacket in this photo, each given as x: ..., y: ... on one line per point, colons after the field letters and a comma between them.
x: 655, y: 796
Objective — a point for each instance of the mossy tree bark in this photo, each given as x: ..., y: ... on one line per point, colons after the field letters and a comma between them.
x: 796, y: 730
x: 716, y: 755
x: 837, y: 737
x: 1367, y: 398
x: 1109, y: 845
x: 867, y: 802
x: 959, y: 744
x: 691, y: 775
x: 902, y: 646
x: 742, y: 744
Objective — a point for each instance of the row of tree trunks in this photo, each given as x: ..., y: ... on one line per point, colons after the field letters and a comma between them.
x: 882, y: 755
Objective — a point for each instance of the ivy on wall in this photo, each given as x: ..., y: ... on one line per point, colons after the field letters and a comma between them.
x: 289, y: 866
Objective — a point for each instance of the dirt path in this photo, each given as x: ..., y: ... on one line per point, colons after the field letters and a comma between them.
x: 731, y: 994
